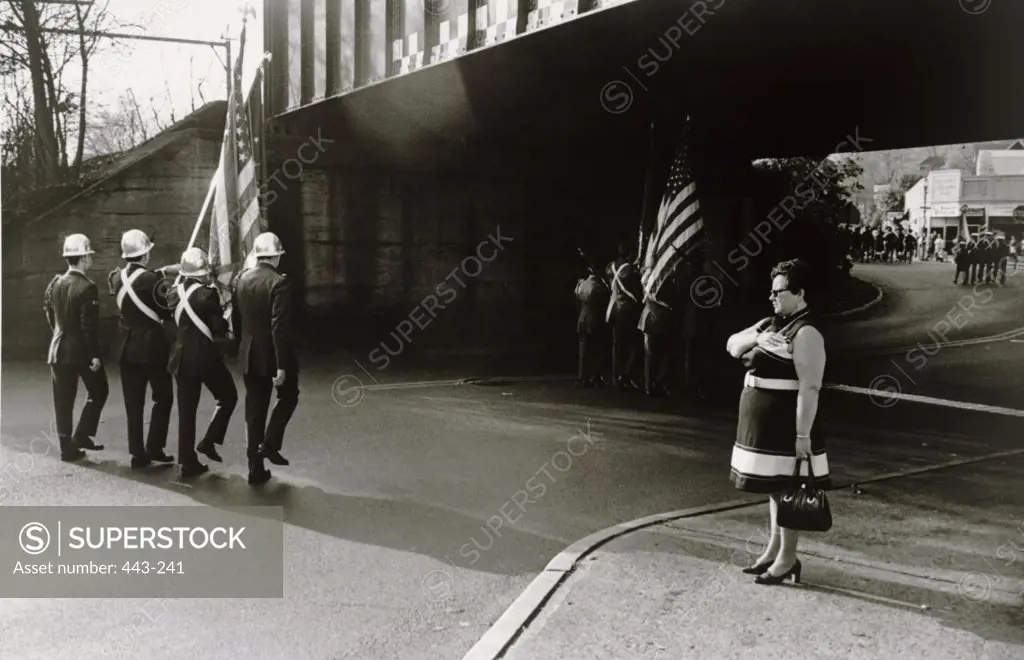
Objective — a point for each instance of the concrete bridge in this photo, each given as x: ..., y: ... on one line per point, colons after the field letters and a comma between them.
x: 436, y: 122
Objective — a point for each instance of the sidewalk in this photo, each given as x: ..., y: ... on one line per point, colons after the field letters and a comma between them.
x: 927, y: 566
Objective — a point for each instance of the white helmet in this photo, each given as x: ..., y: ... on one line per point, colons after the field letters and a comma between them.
x: 135, y: 243
x: 267, y: 244
x: 77, y: 245
x: 194, y: 262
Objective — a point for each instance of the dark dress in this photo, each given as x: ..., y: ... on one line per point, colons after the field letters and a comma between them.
x: 763, y: 458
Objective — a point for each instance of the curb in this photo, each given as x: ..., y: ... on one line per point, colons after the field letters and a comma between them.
x: 507, y: 629
x: 857, y: 310
x: 528, y: 605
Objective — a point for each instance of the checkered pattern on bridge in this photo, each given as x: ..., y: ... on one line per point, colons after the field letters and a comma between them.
x: 497, y: 21
x: 408, y: 53
x: 451, y: 44
x: 544, y: 13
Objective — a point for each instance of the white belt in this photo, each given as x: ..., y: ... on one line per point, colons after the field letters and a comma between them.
x: 750, y: 380
x: 185, y: 306
x: 126, y: 288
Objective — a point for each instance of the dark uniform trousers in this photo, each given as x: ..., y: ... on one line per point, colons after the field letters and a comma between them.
x: 71, y: 306
x: 218, y: 380
x: 65, y: 388
x: 259, y: 434
x: 197, y: 360
x: 135, y: 377
x: 626, y: 339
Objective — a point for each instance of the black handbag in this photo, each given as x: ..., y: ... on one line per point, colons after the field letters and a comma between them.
x: 803, y: 506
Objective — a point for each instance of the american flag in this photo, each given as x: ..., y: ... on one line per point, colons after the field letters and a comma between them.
x: 237, y: 215
x: 679, y: 223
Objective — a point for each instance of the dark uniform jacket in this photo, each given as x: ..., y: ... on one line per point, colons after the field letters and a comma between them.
x: 627, y: 280
x: 262, y: 309
x: 193, y: 354
x: 72, y: 308
x: 140, y: 339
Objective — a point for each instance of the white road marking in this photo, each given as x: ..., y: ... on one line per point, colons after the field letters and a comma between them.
x: 1002, y: 336
x: 917, y: 398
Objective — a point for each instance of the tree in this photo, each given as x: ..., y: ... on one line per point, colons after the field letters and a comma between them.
x: 120, y: 129
x: 822, y: 191
x: 834, y: 182
x: 893, y: 199
x: 963, y: 157
x: 41, y: 40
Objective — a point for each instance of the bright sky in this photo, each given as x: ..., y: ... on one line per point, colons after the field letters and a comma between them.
x: 169, y: 73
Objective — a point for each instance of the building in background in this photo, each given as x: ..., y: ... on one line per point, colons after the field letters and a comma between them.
x: 993, y: 199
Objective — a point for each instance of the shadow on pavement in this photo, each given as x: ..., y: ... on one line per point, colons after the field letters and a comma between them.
x: 398, y: 524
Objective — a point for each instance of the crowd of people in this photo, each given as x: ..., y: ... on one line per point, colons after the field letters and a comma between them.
x: 981, y: 257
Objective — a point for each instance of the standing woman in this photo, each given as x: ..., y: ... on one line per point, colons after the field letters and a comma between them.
x: 778, y: 417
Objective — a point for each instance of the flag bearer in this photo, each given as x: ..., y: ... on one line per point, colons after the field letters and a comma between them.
x: 142, y: 349
x: 658, y: 323
x: 197, y: 359
x: 623, y: 315
x: 262, y: 308
x: 71, y: 304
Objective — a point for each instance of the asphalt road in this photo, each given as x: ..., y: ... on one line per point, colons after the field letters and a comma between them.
x: 388, y: 553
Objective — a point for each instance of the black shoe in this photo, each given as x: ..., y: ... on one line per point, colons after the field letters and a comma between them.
x: 274, y: 457
x: 193, y: 470
x: 141, y: 462
x: 793, y: 572
x: 758, y: 569
x: 210, y: 451
x: 71, y: 455
x: 88, y: 444
x: 159, y: 457
x: 259, y: 478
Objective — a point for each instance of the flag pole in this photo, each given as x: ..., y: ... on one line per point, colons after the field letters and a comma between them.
x: 206, y: 207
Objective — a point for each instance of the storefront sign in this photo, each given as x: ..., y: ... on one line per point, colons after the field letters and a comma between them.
x: 944, y: 187
x: 945, y: 211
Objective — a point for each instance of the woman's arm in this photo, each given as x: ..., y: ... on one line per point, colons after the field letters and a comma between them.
x: 742, y: 341
x: 809, y: 360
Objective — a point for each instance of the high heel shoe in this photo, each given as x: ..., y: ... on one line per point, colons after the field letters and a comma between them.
x: 758, y: 569
x: 768, y: 578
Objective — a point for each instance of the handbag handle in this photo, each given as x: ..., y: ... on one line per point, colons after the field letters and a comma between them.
x: 796, y: 473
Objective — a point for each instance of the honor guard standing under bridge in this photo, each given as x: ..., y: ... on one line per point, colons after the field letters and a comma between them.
x: 623, y: 315
x: 71, y: 304
x: 142, y: 348
x: 262, y: 308
x: 197, y: 359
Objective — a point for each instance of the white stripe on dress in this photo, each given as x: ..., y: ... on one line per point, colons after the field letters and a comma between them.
x: 755, y: 464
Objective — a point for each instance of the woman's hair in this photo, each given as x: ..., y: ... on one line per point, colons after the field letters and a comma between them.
x: 797, y: 273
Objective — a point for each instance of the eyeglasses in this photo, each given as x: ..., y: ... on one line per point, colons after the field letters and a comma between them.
x: 776, y: 292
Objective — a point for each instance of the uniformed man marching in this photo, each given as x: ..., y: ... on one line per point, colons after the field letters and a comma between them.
x: 262, y: 305
x: 71, y: 304
x: 623, y: 315
x: 197, y: 359
x: 142, y: 349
